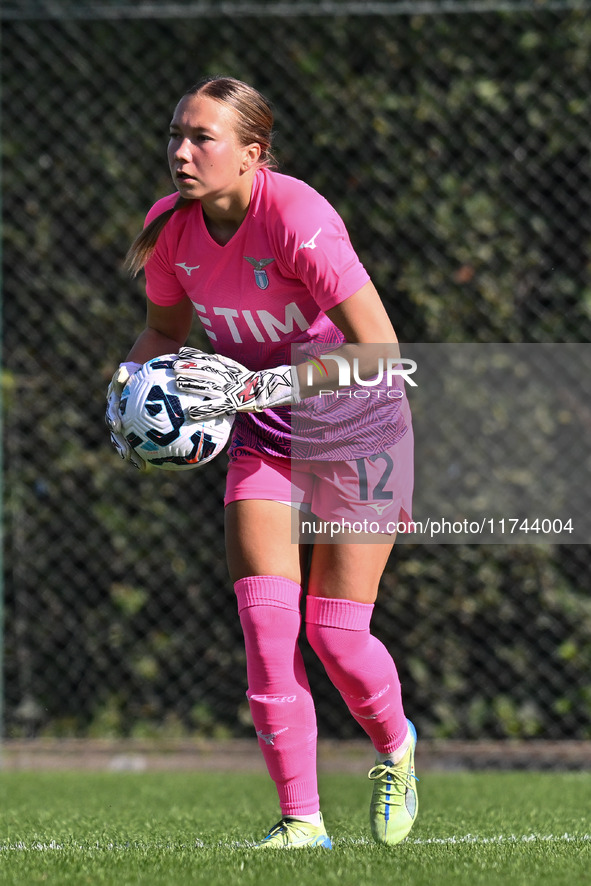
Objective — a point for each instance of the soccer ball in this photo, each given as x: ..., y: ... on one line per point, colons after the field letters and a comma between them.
x: 156, y: 424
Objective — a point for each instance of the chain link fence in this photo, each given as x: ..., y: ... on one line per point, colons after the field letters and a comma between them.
x: 454, y: 140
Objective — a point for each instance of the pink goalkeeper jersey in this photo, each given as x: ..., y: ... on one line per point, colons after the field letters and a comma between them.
x: 264, y: 291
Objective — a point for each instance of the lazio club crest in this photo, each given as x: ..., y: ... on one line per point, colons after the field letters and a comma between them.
x: 260, y: 275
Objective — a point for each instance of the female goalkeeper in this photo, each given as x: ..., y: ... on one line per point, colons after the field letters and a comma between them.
x: 267, y: 265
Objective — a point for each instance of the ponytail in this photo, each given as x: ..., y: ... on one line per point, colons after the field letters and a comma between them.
x: 144, y: 244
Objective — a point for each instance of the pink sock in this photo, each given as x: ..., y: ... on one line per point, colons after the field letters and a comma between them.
x: 360, y: 667
x: 278, y: 691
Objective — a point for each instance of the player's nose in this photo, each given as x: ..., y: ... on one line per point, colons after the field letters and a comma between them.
x: 183, y: 150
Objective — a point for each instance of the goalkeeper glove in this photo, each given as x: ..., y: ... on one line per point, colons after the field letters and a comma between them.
x: 113, y: 415
x: 228, y: 387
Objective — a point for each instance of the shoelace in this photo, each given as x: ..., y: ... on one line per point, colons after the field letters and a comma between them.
x: 286, y: 827
x: 400, y: 781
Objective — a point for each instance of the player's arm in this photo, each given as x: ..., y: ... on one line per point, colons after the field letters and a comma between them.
x: 362, y: 318
x: 167, y: 329
x: 370, y: 337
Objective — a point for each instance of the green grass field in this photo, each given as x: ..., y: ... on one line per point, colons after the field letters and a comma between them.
x: 171, y: 829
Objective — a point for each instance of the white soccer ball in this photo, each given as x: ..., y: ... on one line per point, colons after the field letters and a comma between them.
x: 156, y: 423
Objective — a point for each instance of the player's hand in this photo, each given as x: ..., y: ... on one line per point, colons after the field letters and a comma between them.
x: 230, y: 387
x: 113, y: 416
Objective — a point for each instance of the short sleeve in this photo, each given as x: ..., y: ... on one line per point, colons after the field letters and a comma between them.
x: 315, y: 247
x: 162, y: 284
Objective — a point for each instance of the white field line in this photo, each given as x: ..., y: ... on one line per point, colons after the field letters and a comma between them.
x: 496, y: 839
x: 499, y: 839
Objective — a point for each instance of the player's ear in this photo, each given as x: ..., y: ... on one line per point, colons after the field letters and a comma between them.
x: 250, y: 156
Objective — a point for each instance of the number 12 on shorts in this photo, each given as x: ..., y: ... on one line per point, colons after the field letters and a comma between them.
x: 378, y: 490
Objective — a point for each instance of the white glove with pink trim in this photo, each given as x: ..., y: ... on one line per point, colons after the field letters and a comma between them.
x: 228, y: 387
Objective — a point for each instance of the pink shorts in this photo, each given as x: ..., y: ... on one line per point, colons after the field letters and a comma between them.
x: 374, y: 492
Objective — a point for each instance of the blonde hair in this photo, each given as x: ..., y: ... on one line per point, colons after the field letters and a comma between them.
x: 254, y: 124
